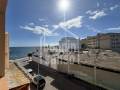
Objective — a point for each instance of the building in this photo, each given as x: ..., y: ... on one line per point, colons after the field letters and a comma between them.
x: 69, y: 43
x: 103, y: 41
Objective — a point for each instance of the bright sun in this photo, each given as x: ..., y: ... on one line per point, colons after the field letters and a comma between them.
x: 64, y: 5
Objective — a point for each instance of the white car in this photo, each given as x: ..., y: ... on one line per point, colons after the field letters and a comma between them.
x: 29, y: 70
x: 39, y: 81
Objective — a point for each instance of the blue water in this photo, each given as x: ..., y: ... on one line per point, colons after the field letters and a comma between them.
x: 20, y: 52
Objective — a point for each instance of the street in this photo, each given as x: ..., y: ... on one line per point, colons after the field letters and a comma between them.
x: 58, y: 81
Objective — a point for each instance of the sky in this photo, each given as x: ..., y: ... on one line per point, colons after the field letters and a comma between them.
x: 31, y: 22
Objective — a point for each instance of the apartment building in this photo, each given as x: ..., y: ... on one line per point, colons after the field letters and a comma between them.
x: 103, y: 41
x: 68, y: 43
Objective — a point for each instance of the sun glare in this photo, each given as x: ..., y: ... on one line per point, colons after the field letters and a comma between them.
x: 64, y: 5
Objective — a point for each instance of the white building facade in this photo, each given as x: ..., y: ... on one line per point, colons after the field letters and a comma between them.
x: 69, y: 43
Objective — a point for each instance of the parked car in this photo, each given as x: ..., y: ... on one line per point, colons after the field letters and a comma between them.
x: 39, y: 81
x: 29, y: 70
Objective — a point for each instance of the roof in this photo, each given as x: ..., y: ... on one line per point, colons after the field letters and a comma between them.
x: 68, y: 39
x: 15, y: 77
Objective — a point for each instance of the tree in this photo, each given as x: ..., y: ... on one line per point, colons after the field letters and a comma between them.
x: 29, y: 55
x: 83, y: 46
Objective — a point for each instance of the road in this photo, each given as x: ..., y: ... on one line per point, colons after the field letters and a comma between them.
x: 104, y: 78
x: 58, y: 81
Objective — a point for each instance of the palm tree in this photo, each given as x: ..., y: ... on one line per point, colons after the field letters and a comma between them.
x: 29, y: 55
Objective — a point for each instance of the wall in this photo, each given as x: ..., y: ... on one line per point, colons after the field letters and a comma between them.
x: 2, y: 36
x: 6, y: 50
x: 2, y: 54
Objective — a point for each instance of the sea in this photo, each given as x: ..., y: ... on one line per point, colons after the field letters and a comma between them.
x: 21, y: 52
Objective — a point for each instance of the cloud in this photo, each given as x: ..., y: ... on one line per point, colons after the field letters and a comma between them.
x: 72, y: 23
x: 91, y: 12
x: 55, y: 26
x: 96, y: 14
x: 92, y: 29
x: 26, y: 28
x: 31, y: 24
x: 12, y: 43
x: 46, y: 26
x: 39, y: 30
x: 112, y: 29
x: 114, y: 7
x: 83, y: 37
x: 44, y: 29
x: 40, y: 19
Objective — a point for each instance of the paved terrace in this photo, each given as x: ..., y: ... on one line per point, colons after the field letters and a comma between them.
x: 15, y: 77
